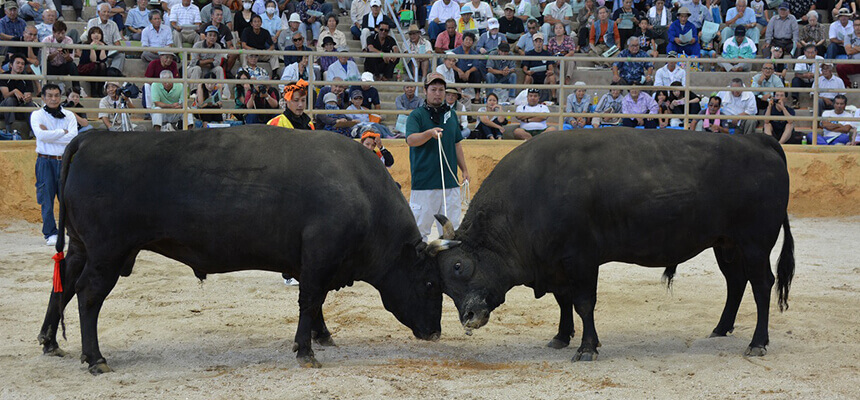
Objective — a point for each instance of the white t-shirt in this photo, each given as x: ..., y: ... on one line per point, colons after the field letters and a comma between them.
x: 832, y: 117
x: 533, y: 126
x: 837, y: 31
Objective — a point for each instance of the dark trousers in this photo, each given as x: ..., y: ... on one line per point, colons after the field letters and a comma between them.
x: 47, y: 182
x: 379, y: 67
x: 78, y: 5
x: 797, y: 82
x: 632, y: 123
x: 486, y: 132
x: 68, y: 68
x: 11, y: 117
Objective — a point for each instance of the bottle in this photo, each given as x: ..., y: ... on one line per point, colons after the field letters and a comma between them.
x: 803, y: 140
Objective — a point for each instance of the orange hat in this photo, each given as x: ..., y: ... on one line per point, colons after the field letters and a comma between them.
x: 368, y: 134
x: 289, y: 89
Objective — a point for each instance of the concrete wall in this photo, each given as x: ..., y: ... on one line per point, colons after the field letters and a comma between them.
x: 825, y: 181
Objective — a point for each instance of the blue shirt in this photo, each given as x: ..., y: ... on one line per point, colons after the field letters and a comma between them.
x: 632, y: 71
x: 271, y: 24
x: 746, y: 19
x: 13, y: 28
x: 137, y: 19
x: 466, y: 64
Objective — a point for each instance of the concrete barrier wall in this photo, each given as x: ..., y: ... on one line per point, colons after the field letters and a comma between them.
x: 825, y: 181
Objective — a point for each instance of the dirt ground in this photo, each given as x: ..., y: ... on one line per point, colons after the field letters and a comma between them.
x: 168, y: 336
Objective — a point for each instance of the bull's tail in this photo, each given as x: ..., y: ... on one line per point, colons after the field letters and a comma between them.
x: 60, y: 268
x: 785, y: 266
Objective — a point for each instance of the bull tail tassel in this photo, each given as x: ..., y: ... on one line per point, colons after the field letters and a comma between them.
x: 58, y: 284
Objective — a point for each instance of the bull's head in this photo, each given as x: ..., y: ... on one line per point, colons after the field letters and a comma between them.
x: 413, y: 293
x: 468, y: 277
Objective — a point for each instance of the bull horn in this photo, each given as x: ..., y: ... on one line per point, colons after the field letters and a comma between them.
x: 447, y: 226
x: 438, y: 245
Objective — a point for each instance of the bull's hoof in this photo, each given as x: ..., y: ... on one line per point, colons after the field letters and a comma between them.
x: 55, y: 351
x: 715, y: 334
x: 556, y: 343
x: 295, y: 347
x: 582, y: 355
x: 308, y: 362
x: 755, y: 351
x: 326, y: 341
x: 99, y: 368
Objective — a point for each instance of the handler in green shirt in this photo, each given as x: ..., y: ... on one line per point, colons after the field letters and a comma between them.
x: 423, y: 127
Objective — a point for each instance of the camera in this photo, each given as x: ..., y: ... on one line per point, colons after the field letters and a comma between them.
x: 130, y: 90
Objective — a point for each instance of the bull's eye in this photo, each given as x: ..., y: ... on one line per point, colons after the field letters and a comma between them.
x: 429, y: 285
x: 457, y: 266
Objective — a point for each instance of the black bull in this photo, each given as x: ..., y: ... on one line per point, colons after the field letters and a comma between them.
x: 557, y: 207
x: 316, y: 205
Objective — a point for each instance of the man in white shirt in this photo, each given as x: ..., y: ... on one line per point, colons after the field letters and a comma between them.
x: 481, y: 13
x: 736, y: 102
x: 446, y: 69
x: 111, y: 32
x: 828, y: 80
x: 557, y: 11
x: 839, y: 31
x: 357, y: 11
x: 185, y: 20
x: 534, y: 125
x: 343, y: 68
x: 670, y: 73
x: 804, y: 73
x: 441, y: 11
x: 836, y: 131
x: 54, y: 128
x: 155, y: 35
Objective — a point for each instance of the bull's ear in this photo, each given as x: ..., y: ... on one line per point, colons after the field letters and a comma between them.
x: 447, y: 227
x: 420, y: 247
x: 434, y: 247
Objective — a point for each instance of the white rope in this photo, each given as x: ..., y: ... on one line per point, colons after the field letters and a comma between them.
x: 442, y: 173
x: 465, y: 185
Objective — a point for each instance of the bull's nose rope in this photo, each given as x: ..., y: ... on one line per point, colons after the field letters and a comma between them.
x: 464, y: 199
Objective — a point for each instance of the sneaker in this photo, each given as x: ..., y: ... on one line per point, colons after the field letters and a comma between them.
x: 291, y: 282
x: 855, y: 85
x: 51, y: 240
x: 81, y: 19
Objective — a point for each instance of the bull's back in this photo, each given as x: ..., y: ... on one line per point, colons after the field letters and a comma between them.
x: 646, y: 197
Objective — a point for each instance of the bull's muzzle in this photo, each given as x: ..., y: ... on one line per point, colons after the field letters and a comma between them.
x: 475, y: 314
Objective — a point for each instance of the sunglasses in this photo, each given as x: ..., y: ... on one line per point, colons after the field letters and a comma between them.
x: 384, y: 30
x: 298, y: 39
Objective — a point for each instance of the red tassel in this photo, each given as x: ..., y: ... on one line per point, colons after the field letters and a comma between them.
x: 58, y: 284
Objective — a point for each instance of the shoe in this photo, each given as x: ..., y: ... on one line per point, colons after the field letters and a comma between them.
x: 81, y: 19
x: 60, y: 18
x: 51, y: 240
x: 291, y: 282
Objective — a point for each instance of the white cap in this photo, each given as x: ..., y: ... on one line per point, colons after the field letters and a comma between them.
x: 367, y: 77
x: 295, y: 18
x: 492, y: 23
x: 375, y: 3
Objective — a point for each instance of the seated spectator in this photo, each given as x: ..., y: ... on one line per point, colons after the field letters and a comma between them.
x: 558, y: 11
x: 539, y: 71
x: 46, y: 27
x: 323, y: 62
x: 255, y: 37
x: 117, y: 13
x: 206, y: 13
x: 741, y: 15
x: 296, y: 71
x: 93, y: 62
x: 526, y: 42
x: 762, y: 16
x: 11, y: 26
x: 417, y: 45
x: 633, y: 72
x: 255, y: 71
x: 452, y: 99
x: 468, y: 70
x: 683, y: 35
x: 204, y: 63
x: 660, y: 18
x: 446, y: 68
x: 381, y: 42
x: 155, y: 35
x: 699, y: 13
x: 502, y: 71
x: 338, y: 90
x: 372, y: 21
x: 852, y: 49
x: 837, y: 7
x: 782, y: 31
x: 610, y: 103
x: 490, y: 39
x: 110, y: 36
x: 440, y: 13
x: 165, y: 62
x: 562, y: 45
x: 16, y: 93
x: 61, y: 61
x: 289, y: 31
x: 533, y: 125
x: 712, y: 47
x: 73, y: 100
x: 481, y: 14
x: 241, y: 93
x: 637, y: 102
x: 676, y: 104
x: 225, y: 35
x: 357, y: 11
x: 449, y: 39
x: 661, y: 97
x: 835, y: 130
x: 603, y: 35
x: 356, y: 99
x: 583, y: 19
x: 839, y: 30
x: 31, y: 53
x: 310, y: 13
x: 716, y: 124
x: 813, y: 33
x: 577, y: 102
x: 271, y: 20
x: 647, y: 38
x: 828, y: 80
x: 369, y: 93
x: 739, y: 47
x: 209, y: 97
x: 510, y: 26
x: 780, y: 68
x: 736, y: 102
x: 166, y: 96
x: 137, y: 20
x: 260, y: 97
x: 31, y: 10
x: 408, y: 100
x: 332, y: 32
x: 344, y: 68
x: 114, y: 99
x: 185, y: 21
x: 765, y: 79
x: 627, y: 20
x: 337, y: 123
x: 804, y: 73
x: 466, y: 23
x: 780, y: 129
x: 670, y: 73
x: 242, y: 18
x: 298, y: 45
x: 490, y: 127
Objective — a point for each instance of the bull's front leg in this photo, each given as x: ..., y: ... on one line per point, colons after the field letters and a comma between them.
x: 310, y: 306
x: 319, y: 332
x: 565, y: 324
x: 584, y: 300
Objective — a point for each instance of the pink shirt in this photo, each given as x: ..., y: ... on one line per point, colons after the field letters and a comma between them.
x: 443, y: 41
x: 59, y: 60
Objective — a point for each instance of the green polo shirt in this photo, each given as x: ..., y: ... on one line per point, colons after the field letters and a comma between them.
x: 172, y: 97
x: 424, y: 159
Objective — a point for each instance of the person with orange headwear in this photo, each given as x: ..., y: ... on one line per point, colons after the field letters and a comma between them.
x: 372, y: 140
x: 294, y: 117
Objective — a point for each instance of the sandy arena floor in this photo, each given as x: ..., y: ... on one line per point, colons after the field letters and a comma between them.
x: 168, y: 336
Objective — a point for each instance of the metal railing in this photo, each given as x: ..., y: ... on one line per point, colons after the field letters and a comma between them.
x: 560, y: 87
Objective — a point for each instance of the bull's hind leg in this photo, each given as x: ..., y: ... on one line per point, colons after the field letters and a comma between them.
x: 565, y: 324
x: 583, y: 275
x: 311, y: 297
x: 319, y: 332
x: 97, y: 280
x: 729, y: 260
x: 73, y: 265
x: 757, y: 267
